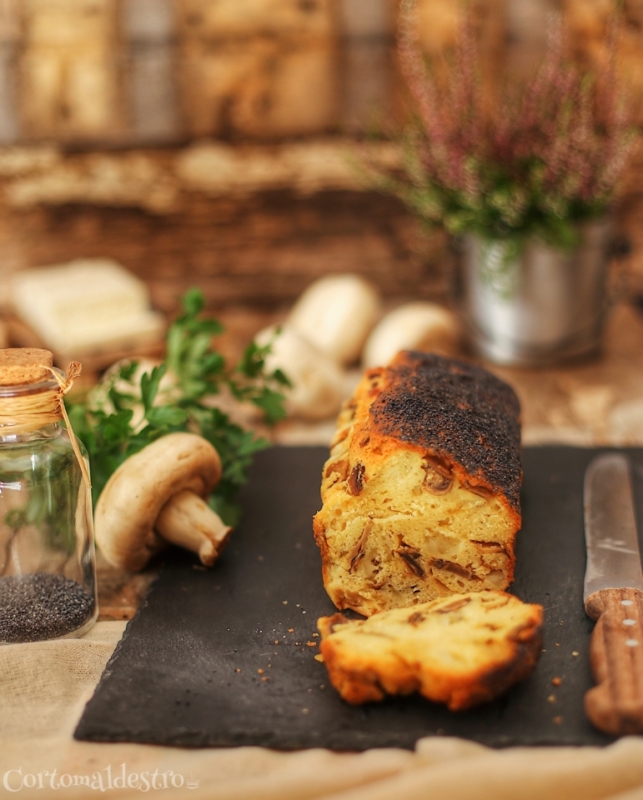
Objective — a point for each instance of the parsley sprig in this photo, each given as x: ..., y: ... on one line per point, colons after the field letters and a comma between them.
x: 199, y: 373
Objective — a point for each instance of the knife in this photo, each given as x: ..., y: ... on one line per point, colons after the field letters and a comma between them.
x: 614, y: 597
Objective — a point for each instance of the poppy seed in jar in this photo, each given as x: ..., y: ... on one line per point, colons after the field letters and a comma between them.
x: 42, y: 606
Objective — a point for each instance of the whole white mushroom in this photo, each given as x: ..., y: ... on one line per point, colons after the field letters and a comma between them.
x: 99, y: 399
x: 318, y: 383
x: 336, y: 314
x: 158, y: 496
x: 412, y: 326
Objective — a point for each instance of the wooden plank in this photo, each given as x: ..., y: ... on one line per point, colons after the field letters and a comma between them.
x: 260, y: 251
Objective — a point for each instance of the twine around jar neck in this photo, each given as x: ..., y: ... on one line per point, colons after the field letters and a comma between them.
x: 28, y: 411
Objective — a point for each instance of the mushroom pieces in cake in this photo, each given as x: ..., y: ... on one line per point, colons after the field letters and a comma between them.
x: 159, y: 496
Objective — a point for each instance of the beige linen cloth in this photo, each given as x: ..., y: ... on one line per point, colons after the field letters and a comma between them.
x: 44, y: 686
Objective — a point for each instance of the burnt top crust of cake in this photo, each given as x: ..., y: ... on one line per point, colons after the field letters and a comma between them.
x: 458, y: 411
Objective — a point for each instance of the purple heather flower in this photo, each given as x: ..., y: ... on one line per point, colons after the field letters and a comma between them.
x: 562, y: 142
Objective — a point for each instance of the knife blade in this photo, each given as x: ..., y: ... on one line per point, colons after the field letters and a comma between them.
x: 613, y: 558
x: 613, y: 596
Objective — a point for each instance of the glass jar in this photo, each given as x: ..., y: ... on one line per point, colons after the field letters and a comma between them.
x: 47, y: 565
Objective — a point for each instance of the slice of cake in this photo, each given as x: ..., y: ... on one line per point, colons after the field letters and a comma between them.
x: 421, y: 493
x: 462, y: 650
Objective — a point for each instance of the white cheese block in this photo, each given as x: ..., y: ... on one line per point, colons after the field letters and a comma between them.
x: 85, y: 306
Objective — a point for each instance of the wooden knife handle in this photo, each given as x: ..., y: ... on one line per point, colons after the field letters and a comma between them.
x: 615, y: 705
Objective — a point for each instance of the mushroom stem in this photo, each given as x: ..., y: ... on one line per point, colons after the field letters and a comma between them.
x: 188, y: 521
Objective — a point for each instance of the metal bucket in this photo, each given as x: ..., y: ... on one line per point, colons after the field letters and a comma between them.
x: 543, y: 307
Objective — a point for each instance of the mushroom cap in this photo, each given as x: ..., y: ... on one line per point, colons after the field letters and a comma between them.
x: 318, y: 382
x: 336, y: 313
x: 133, y: 497
x: 418, y: 325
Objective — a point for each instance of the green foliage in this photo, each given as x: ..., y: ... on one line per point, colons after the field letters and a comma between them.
x: 199, y: 373
x: 509, y: 205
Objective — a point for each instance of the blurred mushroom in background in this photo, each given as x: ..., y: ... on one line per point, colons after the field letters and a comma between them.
x: 336, y: 314
x: 412, y: 326
x: 317, y: 382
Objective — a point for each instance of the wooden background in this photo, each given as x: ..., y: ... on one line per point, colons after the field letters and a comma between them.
x: 207, y: 142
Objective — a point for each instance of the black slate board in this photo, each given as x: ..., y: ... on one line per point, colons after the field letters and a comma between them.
x: 187, y: 671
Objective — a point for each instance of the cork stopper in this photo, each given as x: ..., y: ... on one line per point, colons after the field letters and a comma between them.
x: 24, y: 365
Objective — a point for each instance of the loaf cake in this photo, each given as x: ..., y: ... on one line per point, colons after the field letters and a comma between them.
x: 462, y: 650
x: 421, y: 493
